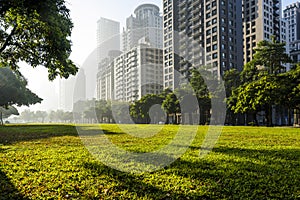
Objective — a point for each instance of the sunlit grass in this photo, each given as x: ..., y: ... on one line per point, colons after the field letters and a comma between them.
x: 50, y: 161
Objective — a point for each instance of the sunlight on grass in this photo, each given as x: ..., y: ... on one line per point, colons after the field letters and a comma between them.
x: 50, y: 161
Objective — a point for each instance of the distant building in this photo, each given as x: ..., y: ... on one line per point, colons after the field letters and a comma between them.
x: 105, y: 76
x: 72, y: 90
x: 291, y: 15
x: 261, y: 21
x: 138, y: 72
x: 145, y: 23
x: 108, y: 37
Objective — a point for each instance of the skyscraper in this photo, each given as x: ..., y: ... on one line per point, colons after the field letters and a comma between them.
x: 198, y: 33
x: 145, y: 23
x: 138, y: 72
x: 292, y: 18
x: 105, y: 77
x: 261, y: 21
x: 108, y: 37
x: 72, y: 90
x: 108, y: 40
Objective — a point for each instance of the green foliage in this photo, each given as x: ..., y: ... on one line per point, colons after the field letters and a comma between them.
x: 271, y: 55
x: 7, y: 112
x: 13, y: 89
x: 38, y: 33
x: 263, y: 81
x: 50, y: 162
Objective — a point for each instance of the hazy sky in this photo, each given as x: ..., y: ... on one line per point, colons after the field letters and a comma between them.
x: 85, y: 15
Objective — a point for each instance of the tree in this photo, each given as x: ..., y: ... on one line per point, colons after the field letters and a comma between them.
x: 201, y: 91
x: 172, y: 106
x: 41, y: 115
x: 27, y: 115
x: 7, y: 112
x: 38, y: 33
x: 13, y: 90
x: 260, y: 80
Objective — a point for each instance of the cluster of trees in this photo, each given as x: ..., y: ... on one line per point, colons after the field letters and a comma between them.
x: 14, y: 91
x: 37, y: 33
x: 45, y: 117
x: 264, y: 84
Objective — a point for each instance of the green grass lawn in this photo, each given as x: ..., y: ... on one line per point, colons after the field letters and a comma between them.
x: 51, y: 162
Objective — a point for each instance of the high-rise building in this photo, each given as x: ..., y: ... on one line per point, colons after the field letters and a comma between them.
x: 72, y: 90
x: 201, y: 33
x: 138, y: 72
x: 105, y: 77
x: 108, y: 37
x: 261, y: 21
x: 171, y: 43
x: 108, y: 40
x: 292, y: 18
x: 145, y: 23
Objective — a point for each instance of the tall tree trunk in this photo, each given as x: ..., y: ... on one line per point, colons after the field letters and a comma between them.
x: 1, y: 120
x: 191, y: 118
x: 255, y: 119
x: 289, y: 117
x: 269, y: 120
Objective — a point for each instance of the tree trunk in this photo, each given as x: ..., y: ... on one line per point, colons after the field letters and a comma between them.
x: 1, y: 120
x: 289, y: 117
x: 255, y: 119
x: 269, y: 116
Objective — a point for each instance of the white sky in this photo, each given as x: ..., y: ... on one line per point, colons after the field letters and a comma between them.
x: 85, y: 15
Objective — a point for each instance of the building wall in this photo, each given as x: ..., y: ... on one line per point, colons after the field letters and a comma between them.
x: 72, y: 90
x: 108, y: 37
x: 292, y: 18
x: 201, y: 34
x: 261, y: 21
x: 145, y: 23
x: 138, y: 72
x: 105, y: 77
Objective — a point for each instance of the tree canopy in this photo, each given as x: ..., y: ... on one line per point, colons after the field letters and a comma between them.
x: 13, y: 89
x: 263, y: 82
x: 38, y: 33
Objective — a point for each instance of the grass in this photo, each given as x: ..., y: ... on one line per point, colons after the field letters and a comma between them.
x: 51, y: 162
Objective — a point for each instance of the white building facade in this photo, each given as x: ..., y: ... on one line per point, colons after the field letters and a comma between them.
x: 145, y: 23
x: 138, y: 72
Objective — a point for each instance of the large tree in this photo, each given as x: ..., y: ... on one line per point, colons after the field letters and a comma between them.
x: 13, y: 90
x: 38, y: 33
x: 7, y: 112
x: 261, y: 80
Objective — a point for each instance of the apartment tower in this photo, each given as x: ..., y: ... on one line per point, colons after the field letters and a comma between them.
x: 145, y: 23
x: 261, y: 21
x: 201, y: 33
x: 292, y: 18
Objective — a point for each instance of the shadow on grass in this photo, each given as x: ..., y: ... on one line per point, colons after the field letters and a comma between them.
x: 246, y: 173
x: 8, y: 190
x: 240, y: 174
x: 19, y: 133
x: 128, y: 182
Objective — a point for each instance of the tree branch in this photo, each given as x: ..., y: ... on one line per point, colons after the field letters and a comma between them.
x: 8, y: 39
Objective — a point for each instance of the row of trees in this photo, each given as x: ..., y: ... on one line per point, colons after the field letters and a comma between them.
x: 264, y: 84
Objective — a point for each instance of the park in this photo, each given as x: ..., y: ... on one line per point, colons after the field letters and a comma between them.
x: 42, y: 161
x: 254, y: 152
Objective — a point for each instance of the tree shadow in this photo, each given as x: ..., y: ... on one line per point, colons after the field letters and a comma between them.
x: 8, y: 190
x: 20, y: 133
x: 245, y: 174
x: 129, y: 182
